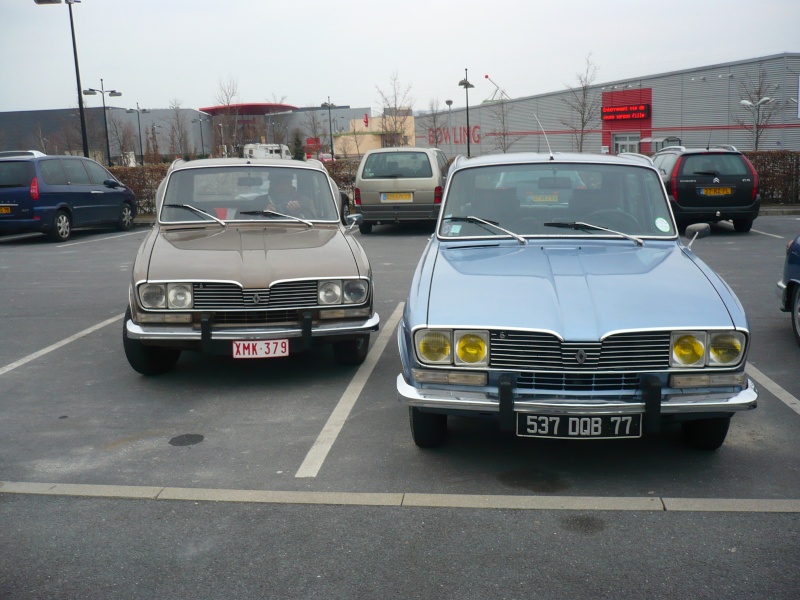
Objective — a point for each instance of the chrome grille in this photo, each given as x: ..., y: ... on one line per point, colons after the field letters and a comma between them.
x: 231, y: 297
x: 255, y: 317
x: 578, y: 382
x: 533, y: 351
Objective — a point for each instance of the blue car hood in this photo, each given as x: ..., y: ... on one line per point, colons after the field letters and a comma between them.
x: 578, y: 292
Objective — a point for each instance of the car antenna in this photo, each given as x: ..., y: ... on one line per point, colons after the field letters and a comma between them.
x: 550, y: 150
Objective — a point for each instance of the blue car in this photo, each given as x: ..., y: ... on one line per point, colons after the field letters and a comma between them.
x: 789, y: 287
x: 586, y: 319
x: 55, y: 194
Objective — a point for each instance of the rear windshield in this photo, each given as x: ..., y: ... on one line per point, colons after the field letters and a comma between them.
x: 397, y: 165
x: 713, y: 164
x: 16, y: 174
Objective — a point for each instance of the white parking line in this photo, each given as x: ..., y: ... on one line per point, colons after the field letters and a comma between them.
x: 58, y: 345
x: 319, y: 451
x: 780, y: 237
x: 100, y: 239
x: 774, y: 389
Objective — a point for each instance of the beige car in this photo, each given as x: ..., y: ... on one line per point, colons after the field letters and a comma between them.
x: 248, y: 258
x: 399, y: 184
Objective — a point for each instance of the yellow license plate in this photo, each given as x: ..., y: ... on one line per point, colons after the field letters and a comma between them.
x: 716, y: 191
x: 397, y: 197
x: 544, y: 198
x: 5, y: 210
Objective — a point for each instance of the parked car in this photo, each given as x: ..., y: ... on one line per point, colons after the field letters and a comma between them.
x: 399, y: 184
x: 247, y: 258
x: 56, y: 194
x: 789, y: 286
x: 580, y: 320
x: 710, y: 184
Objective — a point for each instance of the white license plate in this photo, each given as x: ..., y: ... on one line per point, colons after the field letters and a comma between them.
x: 261, y: 349
x: 601, y: 427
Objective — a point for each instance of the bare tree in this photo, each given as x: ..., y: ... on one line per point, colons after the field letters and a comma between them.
x: 757, y: 109
x: 122, y: 136
x: 396, y: 105
x: 177, y: 129
x: 584, y: 105
x: 435, y: 123
x: 313, y: 126
x: 228, y: 134
x: 502, y: 137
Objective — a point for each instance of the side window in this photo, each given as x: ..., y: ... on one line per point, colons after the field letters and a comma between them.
x: 52, y: 172
x: 97, y: 174
x: 76, y: 174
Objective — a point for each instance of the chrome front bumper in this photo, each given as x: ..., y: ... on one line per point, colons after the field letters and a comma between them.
x: 187, y: 333
x: 456, y: 401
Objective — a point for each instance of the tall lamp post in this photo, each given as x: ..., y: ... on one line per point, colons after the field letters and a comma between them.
x: 449, y: 126
x: 466, y: 85
x: 330, y: 123
x: 103, y: 91
x: 138, y: 110
x: 84, y: 137
x: 201, y: 120
x: 755, y: 108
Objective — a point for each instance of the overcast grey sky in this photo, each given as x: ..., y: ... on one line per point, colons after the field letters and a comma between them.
x: 302, y: 52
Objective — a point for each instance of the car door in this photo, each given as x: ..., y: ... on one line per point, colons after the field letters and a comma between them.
x: 84, y: 199
x: 108, y: 199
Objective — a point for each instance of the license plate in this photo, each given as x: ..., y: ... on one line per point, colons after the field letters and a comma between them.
x: 715, y: 191
x: 5, y: 210
x: 545, y: 198
x: 598, y: 427
x: 397, y: 197
x: 261, y: 349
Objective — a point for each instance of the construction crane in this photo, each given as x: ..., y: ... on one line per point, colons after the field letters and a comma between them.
x: 498, y: 92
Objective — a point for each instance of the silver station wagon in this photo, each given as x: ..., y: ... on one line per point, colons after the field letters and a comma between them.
x: 557, y: 298
x: 248, y: 258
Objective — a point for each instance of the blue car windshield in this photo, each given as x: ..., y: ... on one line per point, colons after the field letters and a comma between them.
x: 542, y: 199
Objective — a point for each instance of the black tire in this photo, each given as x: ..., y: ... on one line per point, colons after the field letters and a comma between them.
x: 796, y: 313
x: 147, y: 360
x: 351, y: 352
x: 61, y: 228
x: 125, y: 221
x: 429, y: 430
x: 365, y: 228
x: 706, y: 434
x: 742, y: 225
x: 345, y: 207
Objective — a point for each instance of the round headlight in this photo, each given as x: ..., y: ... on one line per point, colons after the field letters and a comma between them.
x: 434, y: 346
x: 179, y: 295
x: 471, y: 349
x: 355, y: 291
x: 726, y: 348
x: 330, y: 292
x: 688, y: 350
x: 153, y: 295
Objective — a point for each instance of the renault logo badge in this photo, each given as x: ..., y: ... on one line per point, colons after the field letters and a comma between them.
x: 256, y: 299
x: 580, y: 356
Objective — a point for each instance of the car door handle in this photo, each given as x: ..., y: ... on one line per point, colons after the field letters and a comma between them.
x: 96, y: 192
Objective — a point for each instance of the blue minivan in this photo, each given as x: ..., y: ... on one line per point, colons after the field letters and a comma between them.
x: 55, y: 194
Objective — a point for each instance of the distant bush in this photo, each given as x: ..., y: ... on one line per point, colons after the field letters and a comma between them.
x: 778, y: 175
x: 144, y: 183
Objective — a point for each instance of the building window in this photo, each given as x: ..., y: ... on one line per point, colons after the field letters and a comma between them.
x: 626, y: 142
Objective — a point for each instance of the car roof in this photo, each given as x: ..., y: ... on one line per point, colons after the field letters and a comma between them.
x: 21, y: 154
x: 556, y: 158
x: 242, y: 162
x: 402, y: 149
x: 721, y: 148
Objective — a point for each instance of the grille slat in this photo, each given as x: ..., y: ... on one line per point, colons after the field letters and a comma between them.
x: 231, y: 297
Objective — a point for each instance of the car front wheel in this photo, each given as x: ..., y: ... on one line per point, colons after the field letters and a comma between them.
x: 125, y: 217
x: 796, y: 313
x: 706, y: 434
x: 742, y: 225
x: 365, y: 228
x: 429, y: 430
x: 147, y: 360
x: 351, y: 352
x: 61, y: 228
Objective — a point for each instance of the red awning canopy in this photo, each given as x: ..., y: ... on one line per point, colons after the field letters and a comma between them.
x: 257, y: 108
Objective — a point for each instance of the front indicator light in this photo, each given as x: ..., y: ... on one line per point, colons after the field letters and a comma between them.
x: 449, y: 377
x: 700, y: 381
x: 434, y: 346
x: 726, y: 348
x: 688, y: 349
x: 471, y: 348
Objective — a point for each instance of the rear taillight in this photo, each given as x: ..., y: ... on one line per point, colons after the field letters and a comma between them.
x: 437, y: 195
x: 673, y: 180
x: 357, y: 196
x: 35, y: 188
x: 755, y: 176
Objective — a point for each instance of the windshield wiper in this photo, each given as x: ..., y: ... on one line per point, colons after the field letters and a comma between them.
x: 471, y: 219
x: 199, y: 211
x: 591, y: 227
x: 273, y: 213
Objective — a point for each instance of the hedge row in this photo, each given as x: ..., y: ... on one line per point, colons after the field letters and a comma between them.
x: 144, y: 183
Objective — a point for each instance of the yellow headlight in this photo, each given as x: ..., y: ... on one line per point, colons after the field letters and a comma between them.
x: 725, y: 348
x: 471, y: 349
x: 434, y: 346
x: 688, y: 350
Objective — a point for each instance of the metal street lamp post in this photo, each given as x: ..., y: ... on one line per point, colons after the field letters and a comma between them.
x: 103, y: 92
x: 330, y: 123
x: 755, y: 108
x: 138, y: 110
x: 466, y: 85
x: 201, y: 120
x: 84, y: 137
x: 449, y: 126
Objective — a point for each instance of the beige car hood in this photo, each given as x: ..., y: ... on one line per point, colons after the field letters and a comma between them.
x: 253, y: 257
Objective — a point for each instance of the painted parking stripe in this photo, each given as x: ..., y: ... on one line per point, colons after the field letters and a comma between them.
x: 57, y: 345
x: 100, y: 239
x: 773, y: 388
x: 780, y: 237
x: 407, y: 500
x: 319, y: 451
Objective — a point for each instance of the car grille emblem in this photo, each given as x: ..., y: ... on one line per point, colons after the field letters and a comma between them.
x: 580, y: 356
x: 716, y: 179
x: 256, y: 299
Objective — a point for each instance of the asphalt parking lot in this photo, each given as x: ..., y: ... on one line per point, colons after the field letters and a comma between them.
x: 299, y: 477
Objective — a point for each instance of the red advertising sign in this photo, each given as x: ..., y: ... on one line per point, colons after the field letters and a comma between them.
x: 626, y: 112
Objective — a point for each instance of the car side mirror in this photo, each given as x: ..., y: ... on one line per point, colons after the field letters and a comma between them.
x: 697, y: 231
x: 112, y: 183
x: 353, y: 220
